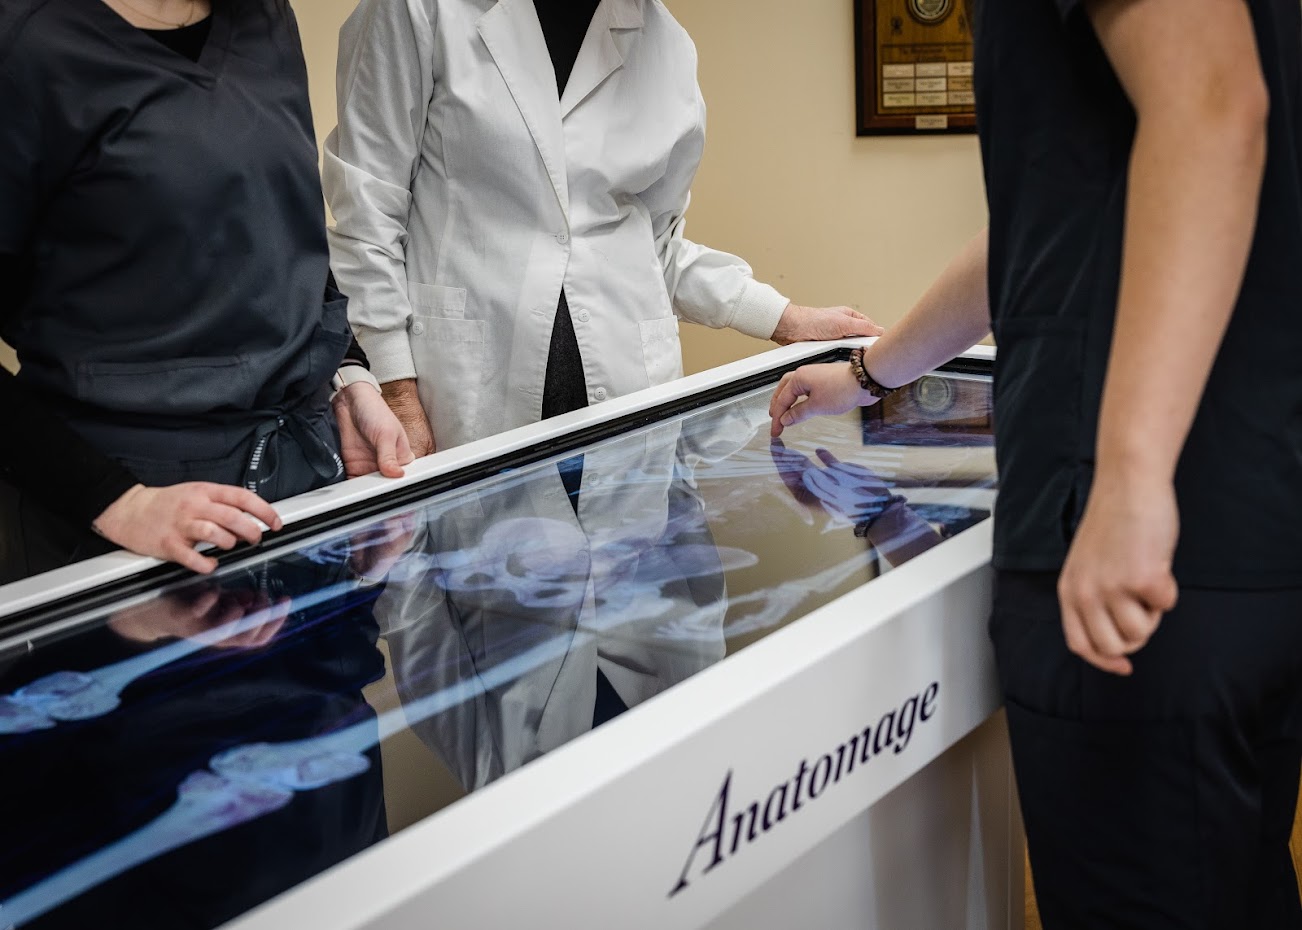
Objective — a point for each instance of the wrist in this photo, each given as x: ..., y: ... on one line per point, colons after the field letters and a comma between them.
x: 1133, y: 462
x: 868, y: 384
x: 350, y: 376
x: 98, y: 524
x: 400, y: 391
x: 881, y: 369
x: 894, y: 503
x: 1138, y: 476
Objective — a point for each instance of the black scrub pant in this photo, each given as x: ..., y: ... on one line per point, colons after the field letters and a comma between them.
x: 1166, y: 799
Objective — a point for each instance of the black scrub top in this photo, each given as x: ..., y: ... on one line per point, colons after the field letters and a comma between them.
x: 1056, y: 136
x: 171, y: 212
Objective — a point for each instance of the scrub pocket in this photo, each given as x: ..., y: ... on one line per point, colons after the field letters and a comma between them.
x: 177, y: 387
x: 1116, y: 821
x: 661, y: 350
x: 451, y: 357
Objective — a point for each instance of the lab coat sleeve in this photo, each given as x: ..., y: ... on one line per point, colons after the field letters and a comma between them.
x: 706, y: 286
x: 385, y: 83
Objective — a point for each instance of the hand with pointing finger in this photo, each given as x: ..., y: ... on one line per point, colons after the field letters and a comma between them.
x: 815, y: 391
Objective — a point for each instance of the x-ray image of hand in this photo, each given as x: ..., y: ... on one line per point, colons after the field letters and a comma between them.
x: 844, y: 490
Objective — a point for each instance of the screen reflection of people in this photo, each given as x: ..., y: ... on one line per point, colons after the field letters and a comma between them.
x: 108, y: 753
x: 599, y: 573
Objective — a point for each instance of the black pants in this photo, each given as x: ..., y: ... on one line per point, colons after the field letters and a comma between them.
x: 1163, y: 800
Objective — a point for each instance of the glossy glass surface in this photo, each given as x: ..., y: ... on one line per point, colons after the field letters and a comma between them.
x: 191, y: 753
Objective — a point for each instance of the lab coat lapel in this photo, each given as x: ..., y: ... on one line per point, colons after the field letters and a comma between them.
x: 515, y: 39
x: 604, y: 49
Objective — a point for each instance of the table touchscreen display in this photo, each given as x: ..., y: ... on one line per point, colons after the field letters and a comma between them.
x: 182, y: 756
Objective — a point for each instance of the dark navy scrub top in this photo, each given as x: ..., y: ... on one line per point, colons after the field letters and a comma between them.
x: 171, y: 212
x: 1056, y: 135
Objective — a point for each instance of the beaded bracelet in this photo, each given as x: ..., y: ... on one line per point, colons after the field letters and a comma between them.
x: 867, y: 381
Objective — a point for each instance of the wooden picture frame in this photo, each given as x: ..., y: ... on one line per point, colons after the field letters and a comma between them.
x: 913, y: 61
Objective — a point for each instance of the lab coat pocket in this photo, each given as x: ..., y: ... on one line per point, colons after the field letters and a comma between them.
x: 435, y: 300
x: 454, y: 353
x: 661, y: 350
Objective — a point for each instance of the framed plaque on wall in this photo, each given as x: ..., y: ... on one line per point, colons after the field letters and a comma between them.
x: 914, y: 62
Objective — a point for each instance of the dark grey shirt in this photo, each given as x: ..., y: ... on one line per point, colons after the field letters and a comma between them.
x: 1057, y: 131
x: 172, y: 215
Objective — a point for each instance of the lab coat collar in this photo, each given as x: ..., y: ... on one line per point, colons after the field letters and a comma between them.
x: 604, y: 49
x: 514, y: 37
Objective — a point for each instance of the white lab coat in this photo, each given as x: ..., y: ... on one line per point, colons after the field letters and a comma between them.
x: 466, y: 195
x: 611, y: 582
x: 632, y: 586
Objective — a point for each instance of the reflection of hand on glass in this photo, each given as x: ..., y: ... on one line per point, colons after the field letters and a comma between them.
x: 378, y: 548
x: 204, y: 612
x: 855, y: 493
x: 843, y: 489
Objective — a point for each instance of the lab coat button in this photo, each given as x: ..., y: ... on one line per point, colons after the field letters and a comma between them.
x: 417, y: 328
x: 600, y: 394
x: 584, y: 316
x: 563, y: 238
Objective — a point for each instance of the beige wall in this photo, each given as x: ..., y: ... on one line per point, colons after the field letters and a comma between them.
x: 823, y: 216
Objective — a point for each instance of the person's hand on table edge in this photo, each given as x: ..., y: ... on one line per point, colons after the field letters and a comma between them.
x: 372, y: 436
x: 815, y: 391
x: 822, y: 324
x: 167, y: 523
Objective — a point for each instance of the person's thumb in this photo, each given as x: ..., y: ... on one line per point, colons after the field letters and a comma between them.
x: 798, y: 414
x: 386, y: 454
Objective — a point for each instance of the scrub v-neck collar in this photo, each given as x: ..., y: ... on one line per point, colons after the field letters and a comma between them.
x: 205, y: 71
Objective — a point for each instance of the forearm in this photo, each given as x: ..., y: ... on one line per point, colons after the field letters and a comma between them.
x: 719, y: 290
x: 951, y: 317
x: 1195, y: 180
x: 1190, y: 218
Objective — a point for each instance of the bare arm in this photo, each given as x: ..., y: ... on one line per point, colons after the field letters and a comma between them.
x: 1192, y: 71
x: 951, y: 316
x: 1195, y: 177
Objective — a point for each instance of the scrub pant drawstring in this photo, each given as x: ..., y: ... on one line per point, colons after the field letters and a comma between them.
x: 317, y: 453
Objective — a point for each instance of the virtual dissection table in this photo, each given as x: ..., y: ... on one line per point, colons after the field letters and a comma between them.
x: 729, y: 682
